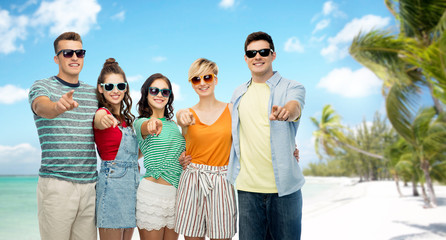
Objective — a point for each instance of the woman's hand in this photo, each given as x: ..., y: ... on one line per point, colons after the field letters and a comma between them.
x: 154, y: 126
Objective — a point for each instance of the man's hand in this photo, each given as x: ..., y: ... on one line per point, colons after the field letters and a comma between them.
x: 279, y: 113
x: 185, y: 118
x: 184, y: 160
x: 154, y: 126
x: 66, y: 103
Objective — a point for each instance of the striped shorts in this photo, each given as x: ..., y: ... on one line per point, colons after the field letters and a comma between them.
x: 206, y: 204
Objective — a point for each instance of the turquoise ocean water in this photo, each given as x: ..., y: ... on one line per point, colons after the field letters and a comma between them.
x: 18, y: 205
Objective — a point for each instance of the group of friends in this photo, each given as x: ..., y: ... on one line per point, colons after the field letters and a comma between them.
x: 225, y: 152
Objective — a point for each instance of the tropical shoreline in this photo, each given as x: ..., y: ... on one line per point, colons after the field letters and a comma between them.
x: 373, y: 210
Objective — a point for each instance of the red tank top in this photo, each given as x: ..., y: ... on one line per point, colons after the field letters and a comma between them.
x: 108, y: 140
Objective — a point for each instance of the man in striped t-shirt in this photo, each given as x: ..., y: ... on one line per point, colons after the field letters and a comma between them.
x: 63, y: 109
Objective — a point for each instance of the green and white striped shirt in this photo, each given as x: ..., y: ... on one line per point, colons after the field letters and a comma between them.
x: 67, y: 141
x: 161, y: 152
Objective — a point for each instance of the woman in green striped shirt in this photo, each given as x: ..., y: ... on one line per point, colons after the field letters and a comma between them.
x: 161, y: 143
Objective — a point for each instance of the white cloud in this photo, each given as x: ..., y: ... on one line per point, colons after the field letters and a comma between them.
x: 134, y: 78
x: 159, y: 59
x: 21, y: 8
x: 135, y: 95
x: 12, y: 29
x: 321, y: 25
x: 21, y: 153
x: 338, y: 45
x: 10, y: 94
x: 65, y: 15
x: 19, y: 159
x: 226, y: 3
x: 351, y: 84
x: 119, y: 16
x: 293, y: 45
x: 331, y: 8
x: 177, y: 91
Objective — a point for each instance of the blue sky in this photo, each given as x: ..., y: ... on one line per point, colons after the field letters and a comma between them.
x: 311, y: 40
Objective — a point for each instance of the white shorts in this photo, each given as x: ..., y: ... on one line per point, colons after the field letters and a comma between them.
x: 206, y: 204
x: 155, y: 205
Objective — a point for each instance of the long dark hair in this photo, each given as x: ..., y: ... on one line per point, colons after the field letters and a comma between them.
x: 110, y: 67
x: 143, y: 105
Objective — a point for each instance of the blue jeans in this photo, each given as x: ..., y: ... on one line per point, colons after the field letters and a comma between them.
x: 268, y: 216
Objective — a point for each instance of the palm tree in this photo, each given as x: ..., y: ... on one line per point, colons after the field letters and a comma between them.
x: 414, y: 58
x: 330, y: 136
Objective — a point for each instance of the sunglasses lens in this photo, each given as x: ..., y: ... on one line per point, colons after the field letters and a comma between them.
x: 108, y: 86
x: 264, y: 52
x: 251, y: 53
x: 208, y: 78
x: 165, y: 92
x: 80, y: 53
x: 153, y: 91
x: 68, y: 53
x: 121, y: 86
x: 195, y: 80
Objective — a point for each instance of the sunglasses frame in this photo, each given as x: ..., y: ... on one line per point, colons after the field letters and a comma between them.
x: 196, y: 82
x: 115, y: 85
x: 254, y: 52
x: 80, y: 53
x: 159, y: 90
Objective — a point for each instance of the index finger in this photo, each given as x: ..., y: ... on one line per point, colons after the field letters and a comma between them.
x: 70, y: 94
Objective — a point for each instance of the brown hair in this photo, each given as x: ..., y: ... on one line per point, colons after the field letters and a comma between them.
x: 256, y: 36
x: 143, y: 105
x: 66, y: 36
x: 201, y: 66
x: 112, y: 67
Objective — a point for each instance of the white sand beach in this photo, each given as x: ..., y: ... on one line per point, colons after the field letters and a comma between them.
x: 373, y: 210
x: 370, y: 211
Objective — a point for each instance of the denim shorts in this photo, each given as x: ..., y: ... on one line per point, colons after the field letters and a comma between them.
x: 116, y: 194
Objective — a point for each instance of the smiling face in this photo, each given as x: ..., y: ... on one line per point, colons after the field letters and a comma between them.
x: 115, y: 96
x: 69, y: 68
x: 204, y: 88
x: 158, y: 102
x: 261, y: 67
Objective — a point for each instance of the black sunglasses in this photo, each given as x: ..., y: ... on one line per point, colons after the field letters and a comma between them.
x: 68, y: 53
x: 263, y: 52
x: 110, y: 86
x: 154, y: 91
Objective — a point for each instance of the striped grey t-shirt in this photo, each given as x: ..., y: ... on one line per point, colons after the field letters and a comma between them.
x: 67, y: 141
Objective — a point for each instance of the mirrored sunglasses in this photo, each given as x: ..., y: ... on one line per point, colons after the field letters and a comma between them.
x: 263, y: 52
x: 68, y: 53
x: 110, y: 86
x: 208, y: 78
x: 164, y: 92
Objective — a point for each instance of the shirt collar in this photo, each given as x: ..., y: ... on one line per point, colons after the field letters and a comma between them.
x: 272, y: 81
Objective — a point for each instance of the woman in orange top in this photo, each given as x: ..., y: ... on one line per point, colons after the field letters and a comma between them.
x: 206, y: 200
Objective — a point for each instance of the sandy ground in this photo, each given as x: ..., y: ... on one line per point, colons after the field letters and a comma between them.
x: 370, y: 210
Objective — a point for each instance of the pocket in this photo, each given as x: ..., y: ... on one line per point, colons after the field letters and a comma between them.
x: 116, y: 171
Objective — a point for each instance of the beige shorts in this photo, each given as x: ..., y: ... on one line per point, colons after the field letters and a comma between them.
x: 205, y: 203
x: 66, y: 210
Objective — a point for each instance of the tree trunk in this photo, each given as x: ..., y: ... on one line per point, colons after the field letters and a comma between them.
x: 414, y: 188
x: 430, y: 188
x: 359, y: 150
x: 425, y: 198
x: 397, y: 182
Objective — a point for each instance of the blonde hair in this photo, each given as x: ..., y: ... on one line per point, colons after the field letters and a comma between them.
x: 201, y: 66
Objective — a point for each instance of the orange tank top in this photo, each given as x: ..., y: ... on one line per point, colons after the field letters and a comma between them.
x: 210, y: 144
